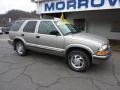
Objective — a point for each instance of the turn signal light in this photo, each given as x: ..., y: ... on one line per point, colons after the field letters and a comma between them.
x: 100, y: 53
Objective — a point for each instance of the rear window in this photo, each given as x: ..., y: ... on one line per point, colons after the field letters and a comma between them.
x: 16, y: 26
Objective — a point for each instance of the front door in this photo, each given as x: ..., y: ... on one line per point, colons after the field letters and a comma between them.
x: 48, y: 42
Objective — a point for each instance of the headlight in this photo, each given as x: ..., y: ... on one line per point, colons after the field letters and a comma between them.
x: 102, y: 50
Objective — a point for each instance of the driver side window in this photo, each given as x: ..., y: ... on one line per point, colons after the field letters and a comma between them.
x: 46, y: 27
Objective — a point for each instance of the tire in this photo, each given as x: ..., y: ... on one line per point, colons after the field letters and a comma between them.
x: 6, y: 32
x: 20, y: 48
x: 78, y: 61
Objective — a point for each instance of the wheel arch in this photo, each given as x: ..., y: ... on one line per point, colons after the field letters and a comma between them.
x: 87, y: 51
x: 16, y: 40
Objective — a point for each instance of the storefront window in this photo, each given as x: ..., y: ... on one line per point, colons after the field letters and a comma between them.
x: 116, y: 26
x: 79, y: 24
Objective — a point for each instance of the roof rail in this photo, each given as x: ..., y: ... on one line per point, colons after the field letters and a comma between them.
x: 38, y: 19
x: 29, y: 19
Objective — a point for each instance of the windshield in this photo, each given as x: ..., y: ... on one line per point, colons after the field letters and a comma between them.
x: 66, y: 28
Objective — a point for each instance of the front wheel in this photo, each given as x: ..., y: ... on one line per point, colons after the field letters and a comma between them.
x: 20, y: 48
x: 78, y: 61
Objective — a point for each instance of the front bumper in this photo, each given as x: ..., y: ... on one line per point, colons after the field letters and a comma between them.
x: 97, y: 59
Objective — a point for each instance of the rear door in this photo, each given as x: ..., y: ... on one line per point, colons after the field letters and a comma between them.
x: 15, y: 30
x: 29, y: 32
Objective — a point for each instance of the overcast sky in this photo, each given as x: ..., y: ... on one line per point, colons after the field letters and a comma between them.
x: 25, y: 5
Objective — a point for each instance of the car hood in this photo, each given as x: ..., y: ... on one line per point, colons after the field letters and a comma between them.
x: 90, y: 38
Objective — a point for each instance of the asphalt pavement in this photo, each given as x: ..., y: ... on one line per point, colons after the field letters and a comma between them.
x: 38, y: 71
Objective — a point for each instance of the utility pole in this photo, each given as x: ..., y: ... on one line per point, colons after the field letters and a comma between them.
x: 40, y: 16
x: 9, y: 20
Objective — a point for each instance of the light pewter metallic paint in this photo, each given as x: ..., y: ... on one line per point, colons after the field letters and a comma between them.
x: 58, y: 45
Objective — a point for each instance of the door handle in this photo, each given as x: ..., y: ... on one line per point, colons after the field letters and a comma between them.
x: 37, y: 36
x: 22, y: 34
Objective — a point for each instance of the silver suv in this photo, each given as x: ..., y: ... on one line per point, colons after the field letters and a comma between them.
x: 59, y: 37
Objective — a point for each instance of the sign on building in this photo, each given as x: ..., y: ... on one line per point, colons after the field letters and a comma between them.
x: 56, y: 6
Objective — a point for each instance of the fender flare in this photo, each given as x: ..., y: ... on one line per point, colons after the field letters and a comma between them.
x: 19, y: 38
x: 79, y: 46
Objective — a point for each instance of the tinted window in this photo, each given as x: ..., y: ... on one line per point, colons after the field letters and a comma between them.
x: 16, y: 26
x: 46, y: 27
x: 30, y: 27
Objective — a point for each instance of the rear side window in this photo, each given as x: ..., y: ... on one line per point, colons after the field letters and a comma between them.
x: 30, y: 27
x: 16, y: 26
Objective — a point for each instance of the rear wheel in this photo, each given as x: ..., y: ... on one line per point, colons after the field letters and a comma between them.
x: 78, y: 61
x: 20, y: 48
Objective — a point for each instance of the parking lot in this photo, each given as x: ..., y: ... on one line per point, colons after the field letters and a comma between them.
x: 46, y: 72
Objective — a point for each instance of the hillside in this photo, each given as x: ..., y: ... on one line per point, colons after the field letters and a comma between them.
x: 15, y: 15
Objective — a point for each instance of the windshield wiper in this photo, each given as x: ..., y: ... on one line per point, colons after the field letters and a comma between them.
x: 68, y: 33
x: 75, y: 32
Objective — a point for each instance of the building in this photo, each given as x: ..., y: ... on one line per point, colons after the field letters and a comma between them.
x: 100, y: 17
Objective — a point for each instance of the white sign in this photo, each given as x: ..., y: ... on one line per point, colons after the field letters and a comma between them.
x: 76, y: 5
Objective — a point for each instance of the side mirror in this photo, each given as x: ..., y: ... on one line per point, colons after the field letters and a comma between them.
x: 54, y: 32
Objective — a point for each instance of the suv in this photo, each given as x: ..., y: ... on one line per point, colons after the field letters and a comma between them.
x: 59, y: 37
